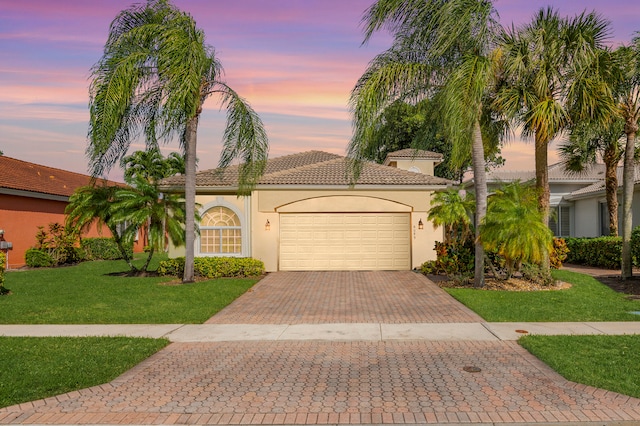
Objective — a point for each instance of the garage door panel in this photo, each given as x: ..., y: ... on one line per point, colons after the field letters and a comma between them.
x: 349, y: 241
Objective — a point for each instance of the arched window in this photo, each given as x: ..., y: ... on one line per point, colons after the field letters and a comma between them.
x: 220, y: 232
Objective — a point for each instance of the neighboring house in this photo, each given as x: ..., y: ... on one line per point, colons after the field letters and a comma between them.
x: 33, y: 195
x: 304, y: 215
x: 577, y: 201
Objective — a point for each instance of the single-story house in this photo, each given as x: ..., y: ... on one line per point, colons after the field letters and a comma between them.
x: 304, y: 215
x: 578, y: 201
x: 33, y: 195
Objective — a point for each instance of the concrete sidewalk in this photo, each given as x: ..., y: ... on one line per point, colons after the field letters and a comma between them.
x: 507, y: 331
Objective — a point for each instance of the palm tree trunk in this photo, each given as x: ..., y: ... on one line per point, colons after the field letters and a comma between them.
x: 542, y: 184
x: 611, y: 187
x: 628, y: 181
x: 480, y: 186
x: 190, y: 197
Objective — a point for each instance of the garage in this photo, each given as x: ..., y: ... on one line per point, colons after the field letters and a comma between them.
x: 345, y: 241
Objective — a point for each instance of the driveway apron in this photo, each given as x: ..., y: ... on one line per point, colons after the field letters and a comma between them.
x: 336, y: 382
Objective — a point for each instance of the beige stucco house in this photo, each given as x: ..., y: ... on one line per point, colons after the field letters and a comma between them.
x: 304, y: 215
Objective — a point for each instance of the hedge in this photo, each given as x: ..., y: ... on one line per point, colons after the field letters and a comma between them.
x: 36, y: 258
x: 214, y: 267
x: 602, y: 252
x: 3, y: 261
x: 100, y: 249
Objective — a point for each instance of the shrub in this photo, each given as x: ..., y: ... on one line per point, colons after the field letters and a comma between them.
x: 603, y: 252
x: 100, y: 249
x: 635, y: 245
x: 36, y: 258
x: 3, y: 260
x: 559, y: 253
x: 214, y: 267
x: 59, y: 243
x: 536, y: 274
x: 452, y: 259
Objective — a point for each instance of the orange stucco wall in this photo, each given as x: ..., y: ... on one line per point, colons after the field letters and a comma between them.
x: 20, y: 218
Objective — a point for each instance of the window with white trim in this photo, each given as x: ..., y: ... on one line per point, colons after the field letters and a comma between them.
x: 220, y: 231
x: 560, y: 221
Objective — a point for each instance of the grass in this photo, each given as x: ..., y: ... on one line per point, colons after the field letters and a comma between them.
x: 39, y: 367
x: 607, y: 362
x: 586, y: 300
x: 97, y: 293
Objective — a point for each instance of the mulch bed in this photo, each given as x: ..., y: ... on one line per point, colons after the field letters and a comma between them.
x: 512, y: 284
x: 630, y: 286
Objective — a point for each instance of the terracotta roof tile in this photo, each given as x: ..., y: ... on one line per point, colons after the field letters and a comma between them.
x: 312, y: 168
x: 24, y: 176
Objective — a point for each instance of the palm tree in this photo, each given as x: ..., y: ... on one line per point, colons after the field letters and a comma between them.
x: 513, y: 227
x: 142, y: 206
x: 151, y: 165
x: 627, y: 92
x: 549, y: 81
x: 451, y: 210
x: 585, y: 145
x: 94, y: 204
x: 152, y: 81
x: 443, y: 49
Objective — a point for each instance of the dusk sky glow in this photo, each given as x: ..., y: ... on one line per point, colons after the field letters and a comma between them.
x: 295, y: 61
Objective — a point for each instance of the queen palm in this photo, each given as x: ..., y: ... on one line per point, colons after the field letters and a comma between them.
x: 586, y: 144
x: 441, y: 49
x: 548, y: 83
x: 152, y: 81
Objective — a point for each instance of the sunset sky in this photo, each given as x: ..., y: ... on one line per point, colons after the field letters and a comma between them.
x: 295, y: 61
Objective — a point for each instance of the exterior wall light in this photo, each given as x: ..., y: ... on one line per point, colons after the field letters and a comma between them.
x: 420, y: 224
x: 267, y: 226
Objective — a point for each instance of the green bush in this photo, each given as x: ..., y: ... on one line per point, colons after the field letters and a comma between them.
x: 635, y: 245
x: 100, y: 249
x: 454, y: 258
x: 602, y: 252
x: 214, y: 267
x: 36, y: 258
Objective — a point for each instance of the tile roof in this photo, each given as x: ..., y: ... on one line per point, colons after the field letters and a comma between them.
x: 312, y: 168
x: 24, y: 176
x: 598, y: 186
x: 557, y: 173
x: 415, y: 153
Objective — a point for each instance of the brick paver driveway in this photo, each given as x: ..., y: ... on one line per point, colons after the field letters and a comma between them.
x: 328, y: 382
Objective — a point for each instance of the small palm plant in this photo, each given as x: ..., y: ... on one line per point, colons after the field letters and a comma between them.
x: 453, y: 211
x: 513, y: 227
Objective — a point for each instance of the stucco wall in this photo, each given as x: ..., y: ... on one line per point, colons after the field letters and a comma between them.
x: 267, y: 205
x: 425, y: 166
x: 21, y: 216
x: 586, y: 217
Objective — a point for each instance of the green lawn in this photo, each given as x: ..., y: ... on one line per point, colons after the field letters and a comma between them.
x: 607, y: 362
x: 97, y: 293
x: 586, y: 300
x: 39, y: 367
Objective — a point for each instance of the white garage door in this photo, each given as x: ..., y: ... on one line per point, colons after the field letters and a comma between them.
x: 345, y: 241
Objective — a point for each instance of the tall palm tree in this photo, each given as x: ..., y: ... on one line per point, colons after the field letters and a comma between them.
x: 443, y: 49
x: 548, y: 83
x: 627, y: 92
x: 155, y: 74
x: 585, y: 145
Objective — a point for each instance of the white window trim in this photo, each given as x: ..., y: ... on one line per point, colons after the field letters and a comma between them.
x: 244, y: 230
